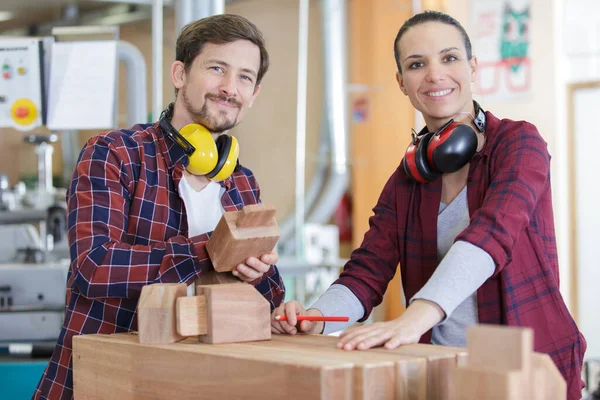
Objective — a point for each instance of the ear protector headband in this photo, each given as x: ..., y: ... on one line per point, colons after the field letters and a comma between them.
x: 431, y: 154
x: 216, y: 159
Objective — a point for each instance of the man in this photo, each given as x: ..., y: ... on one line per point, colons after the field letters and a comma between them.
x: 137, y: 216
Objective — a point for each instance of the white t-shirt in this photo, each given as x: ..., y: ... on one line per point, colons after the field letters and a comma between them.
x: 203, y: 208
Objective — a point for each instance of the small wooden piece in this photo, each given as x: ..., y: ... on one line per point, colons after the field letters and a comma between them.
x: 156, y: 313
x: 235, y: 313
x: 502, y: 365
x: 191, y: 316
x: 250, y: 232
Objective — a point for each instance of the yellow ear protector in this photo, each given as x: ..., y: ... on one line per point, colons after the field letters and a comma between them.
x: 215, y: 159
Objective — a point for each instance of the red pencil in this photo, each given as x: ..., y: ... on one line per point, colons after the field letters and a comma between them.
x: 314, y: 318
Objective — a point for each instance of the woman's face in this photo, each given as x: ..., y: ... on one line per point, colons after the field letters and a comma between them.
x: 436, y: 74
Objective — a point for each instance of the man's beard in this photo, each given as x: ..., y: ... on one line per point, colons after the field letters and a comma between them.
x: 203, y: 117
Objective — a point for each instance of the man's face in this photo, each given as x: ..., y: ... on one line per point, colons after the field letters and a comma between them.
x: 436, y: 74
x: 220, y: 86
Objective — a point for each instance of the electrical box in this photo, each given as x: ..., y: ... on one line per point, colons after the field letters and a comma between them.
x: 22, y: 88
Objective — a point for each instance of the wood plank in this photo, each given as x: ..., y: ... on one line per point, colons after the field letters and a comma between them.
x: 399, y: 377
x: 118, y: 367
x: 441, y: 360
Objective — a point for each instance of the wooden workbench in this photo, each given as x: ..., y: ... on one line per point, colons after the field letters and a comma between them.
x: 117, y: 366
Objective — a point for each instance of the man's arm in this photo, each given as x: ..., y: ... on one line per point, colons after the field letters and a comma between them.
x: 103, y: 261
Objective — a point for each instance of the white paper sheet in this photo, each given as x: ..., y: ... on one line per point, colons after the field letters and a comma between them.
x: 82, y: 85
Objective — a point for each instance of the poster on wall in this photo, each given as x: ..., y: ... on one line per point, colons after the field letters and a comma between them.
x: 501, y: 42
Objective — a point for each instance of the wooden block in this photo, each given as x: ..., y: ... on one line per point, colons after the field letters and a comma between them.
x: 156, y: 313
x: 499, y: 364
x: 217, y: 278
x: 506, y: 348
x: 118, y: 367
x: 231, y: 244
x: 476, y: 384
x: 441, y: 360
x: 191, y: 316
x: 235, y: 313
x: 548, y: 383
x: 377, y: 375
x: 256, y: 215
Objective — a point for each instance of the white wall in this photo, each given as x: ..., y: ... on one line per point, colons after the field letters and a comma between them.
x: 587, y: 218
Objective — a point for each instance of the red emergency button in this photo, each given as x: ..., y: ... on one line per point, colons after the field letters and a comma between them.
x: 24, y: 113
x: 21, y: 112
x: 6, y: 75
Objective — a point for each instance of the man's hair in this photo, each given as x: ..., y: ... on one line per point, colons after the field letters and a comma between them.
x: 430, y: 16
x: 219, y: 29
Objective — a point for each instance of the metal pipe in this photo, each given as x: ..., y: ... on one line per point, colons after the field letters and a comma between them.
x: 217, y: 7
x: 336, y: 100
x: 135, y: 66
x: 301, y: 121
x: 329, y: 184
x: 157, y: 57
x: 184, y: 14
x: 44, y: 155
x: 202, y: 9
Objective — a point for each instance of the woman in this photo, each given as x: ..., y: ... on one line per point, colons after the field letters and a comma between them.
x: 475, y: 239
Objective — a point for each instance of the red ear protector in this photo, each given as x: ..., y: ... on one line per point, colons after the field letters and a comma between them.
x: 431, y: 154
x: 216, y: 159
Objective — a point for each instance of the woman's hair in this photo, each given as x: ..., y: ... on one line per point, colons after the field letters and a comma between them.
x: 430, y: 16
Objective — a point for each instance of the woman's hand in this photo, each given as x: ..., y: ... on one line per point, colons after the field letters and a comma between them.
x: 291, y: 309
x: 418, y: 318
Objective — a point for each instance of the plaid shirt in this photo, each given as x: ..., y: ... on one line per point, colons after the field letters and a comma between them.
x: 510, y: 205
x: 128, y: 228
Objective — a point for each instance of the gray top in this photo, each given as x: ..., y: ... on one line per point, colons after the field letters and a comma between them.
x: 463, y: 269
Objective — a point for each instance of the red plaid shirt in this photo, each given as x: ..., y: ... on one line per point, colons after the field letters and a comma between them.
x: 510, y: 205
x: 127, y: 228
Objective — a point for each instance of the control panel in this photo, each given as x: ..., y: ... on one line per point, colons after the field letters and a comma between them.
x: 22, y: 97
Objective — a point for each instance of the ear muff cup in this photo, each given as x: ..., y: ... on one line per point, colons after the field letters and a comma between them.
x: 228, y: 150
x: 205, y: 156
x: 415, y: 161
x: 214, y: 159
x: 450, y: 150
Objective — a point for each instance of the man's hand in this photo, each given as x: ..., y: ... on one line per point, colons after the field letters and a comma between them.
x: 255, y: 268
x: 291, y: 309
x: 418, y: 318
